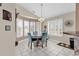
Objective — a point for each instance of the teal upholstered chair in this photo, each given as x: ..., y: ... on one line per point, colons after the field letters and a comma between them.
x: 44, y: 38
x: 29, y: 40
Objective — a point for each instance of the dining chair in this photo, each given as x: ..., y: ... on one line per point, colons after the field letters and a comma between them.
x: 44, y: 39
x: 30, y: 40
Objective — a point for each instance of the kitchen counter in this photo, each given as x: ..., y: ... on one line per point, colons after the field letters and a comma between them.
x: 72, y: 33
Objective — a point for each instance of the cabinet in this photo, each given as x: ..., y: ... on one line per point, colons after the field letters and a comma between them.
x: 77, y: 18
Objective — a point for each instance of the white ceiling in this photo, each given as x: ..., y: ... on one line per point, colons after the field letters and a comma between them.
x: 49, y: 9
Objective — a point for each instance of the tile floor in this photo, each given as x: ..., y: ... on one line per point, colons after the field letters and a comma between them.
x: 51, y: 50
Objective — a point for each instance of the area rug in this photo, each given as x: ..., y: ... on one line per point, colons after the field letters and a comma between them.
x: 65, y: 45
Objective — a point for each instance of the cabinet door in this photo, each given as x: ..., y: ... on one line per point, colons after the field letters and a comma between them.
x: 60, y: 27
x: 76, y: 45
x: 77, y: 17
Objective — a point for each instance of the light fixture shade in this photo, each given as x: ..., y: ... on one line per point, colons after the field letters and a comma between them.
x: 41, y: 19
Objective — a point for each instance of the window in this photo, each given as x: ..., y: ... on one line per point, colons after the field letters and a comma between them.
x: 38, y: 28
x: 32, y: 27
x: 26, y: 28
x: 19, y: 27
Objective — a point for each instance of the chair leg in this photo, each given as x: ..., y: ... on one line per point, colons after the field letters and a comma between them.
x: 31, y: 46
x: 28, y: 44
x: 46, y: 43
x: 42, y: 44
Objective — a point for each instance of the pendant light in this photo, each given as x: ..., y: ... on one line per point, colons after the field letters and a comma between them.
x: 41, y: 19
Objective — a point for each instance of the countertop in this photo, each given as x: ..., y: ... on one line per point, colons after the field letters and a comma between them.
x: 72, y: 33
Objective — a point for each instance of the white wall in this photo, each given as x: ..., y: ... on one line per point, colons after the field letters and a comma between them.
x: 70, y: 16
x: 7, y: 38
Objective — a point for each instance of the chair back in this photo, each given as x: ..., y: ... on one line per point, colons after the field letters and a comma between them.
x: 30, y: 37
x: 44, y: 35
x: 35, y: 33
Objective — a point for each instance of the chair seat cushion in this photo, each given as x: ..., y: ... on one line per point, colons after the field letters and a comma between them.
x: 34, y: 39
